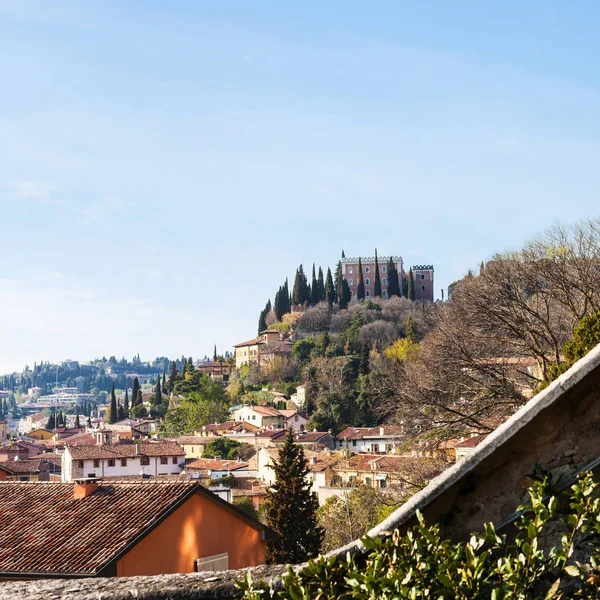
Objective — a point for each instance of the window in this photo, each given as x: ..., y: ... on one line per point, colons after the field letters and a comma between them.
x: 96, y: 464
x: 351, y: 281
x: 254, y: 417
x: 368, y: 294
x: 174, y: 460
x: 123, y: 462
x: 367, y: 269
x: 368, y: 481
x: 367, y: 281
x: 163, y: 460
x: 216, y: 562
x: 384, y: 281
x: 80, y: 464
x: 354, y: 442
x: 349, y: 269
x: 144, y: 461
x: 422, y: 276
x: 384, y: 292
x: 111, y: 462
x: 422, y: 288
x: 384, y: 269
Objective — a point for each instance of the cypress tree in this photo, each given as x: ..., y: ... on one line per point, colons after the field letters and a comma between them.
x: 410, y: 330
x: 134, y: 391
x: 314, y: 288
x: 360, y: 289
x: 321, y: 284
x: 343, y: 255
x: 346, y: 295
x: 215, y: 353
x: 164, y: 383
x: 393, y: 281
x: 262, y: 318
x: 157, y: 398
x: 410, y: 285
x: 172, y: 376
x: 77, y: 424
x: 377, y: 284
x: 126, y: 403
x: 329, y: 289
x: 113, y: 405
x: 337, y: 282
x: 140, y: 400
x: 291, y: 508
x: 89, y: 422
x: 297, y: 290
x: 120, y: 413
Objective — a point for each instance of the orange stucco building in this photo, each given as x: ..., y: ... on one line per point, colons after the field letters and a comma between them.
x: 108, y: 528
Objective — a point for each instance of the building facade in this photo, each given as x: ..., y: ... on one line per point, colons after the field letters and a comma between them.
x: 262, y: 349
x: 350, y: 273
x: 423, y: 282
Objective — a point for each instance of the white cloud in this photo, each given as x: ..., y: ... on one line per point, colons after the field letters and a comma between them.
x: 98, y: 212
x: 33, y: 189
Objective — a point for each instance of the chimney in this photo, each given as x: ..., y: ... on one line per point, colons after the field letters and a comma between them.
x: 84, y: 488
x: 381, y: 431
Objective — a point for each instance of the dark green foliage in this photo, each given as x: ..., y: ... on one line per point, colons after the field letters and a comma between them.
x: 114, y: 416
x: 135, y: 389
x: 77, y: 422
x: 172, y: 378
x: 393, y: 280
x: 291, y: 508
x: 360, y: 289
x: 314, y: 288
x: 301, y: 292
x: 420, y: 564
x: 330, y: 296
x: 343, y: 255
x: 245, y: 505
x: 126, y: 403
x: 302, y: 349
x: 321, y: 285
x: 410, y: 285
x: 365, y: 350
x: 337, y: 282
x: 51, y: 422
x: 410, y: 330
x: 120, y: 413
x: 164, y: 383
x: 157, y: 397
x: 224, y: 447
x: 215, y: 353
x: 377, y: 284
x: 345, y: 296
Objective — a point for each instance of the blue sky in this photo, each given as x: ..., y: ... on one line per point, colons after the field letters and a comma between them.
x: 165, y: 165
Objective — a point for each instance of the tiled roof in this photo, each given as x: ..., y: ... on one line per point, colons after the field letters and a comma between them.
x: 290, y: 412
x: 44, y: 530
x: 471, y: 442
x: 188, y: 440
x: 81, y: 439
x: 21, y: 467
x: 311, y: 436
x: 125, y: 450
x: 252, y: 342
x: 266, y: 411
x: 216, y: 465
x: 359, y: 433
x: 273, y: 434
x: 321, y: 461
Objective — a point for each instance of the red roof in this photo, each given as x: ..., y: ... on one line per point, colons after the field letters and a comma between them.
x: 216, y: 465
x: 125, y: 450
x: 359, y: 433
x: 471, y: 442
x: 45, y: 531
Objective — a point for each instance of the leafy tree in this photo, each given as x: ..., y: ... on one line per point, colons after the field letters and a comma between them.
x: 346, y: 295
x: 223, y: 447
x: 410, y: 285
x: 321, y: 285
x: 377, y: 284
x: 291, y: 508
x: 314, y: 288
x: 139, y: 411
x: 329, y: 289
x: 360, y: 289
x: 113, y: 405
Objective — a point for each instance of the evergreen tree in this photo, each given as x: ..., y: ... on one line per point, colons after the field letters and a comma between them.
x: 337, y: 282
x: 157, y: 398
x: 314, y: 288
x: 51, y: 422
x: 113, y: 405
x: 126, y: 403
x: 89, y: 422
x: 262, y: 319
x: 410, y: 330
x: 287, y: 304
x: 410, y: 285
x: 215, y: 353
x: 321, y: 284
x: 393, y: 281
x: 291, y: 508
x: 301, y: 292
x: 134, y: 391
x: 120, y: 412
x: 365, y: 353
x: 360, y: 288
x: 172, y: 377
x: 377, y: 284
x: 77, y: 424
x: 329, y: 289
x: 346, y: 295
x: 140, y: 400
x: 343, y: 255
x: 164, y: 383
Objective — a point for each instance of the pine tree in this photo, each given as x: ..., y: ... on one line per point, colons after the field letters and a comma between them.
x: 113, y: 405
x: 321, y: 284
x: 377, y: 284
x: 291, y: 508
x: 172, y: 377
x: 134, y: 391
x: 329, y: 289
x: 314, y: 288
x: 410, y: 285
x: 360, y: 288
x: 346, y: 295
x: 393, y: 281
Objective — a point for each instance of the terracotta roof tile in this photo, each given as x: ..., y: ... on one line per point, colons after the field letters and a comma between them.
x: 471, y: 442
x: 216, y: 465
x: 125, y: 450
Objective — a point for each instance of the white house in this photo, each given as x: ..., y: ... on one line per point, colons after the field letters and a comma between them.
x: 385, y: 439
x: 261, y: 416
x: 107, y: 460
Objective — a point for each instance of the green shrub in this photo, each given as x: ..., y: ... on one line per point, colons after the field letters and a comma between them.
x: 420, y: 564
